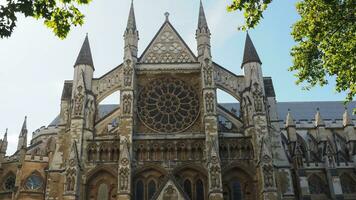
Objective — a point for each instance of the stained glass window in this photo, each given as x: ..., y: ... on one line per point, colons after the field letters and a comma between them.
x: 34, y: 182
x: 139, y: 190
x: 348, y: 184
x: 236, y: 190
x: 151, y: 189
x: 188, y: 188
x: 9, y: 183
x: 199, y: 187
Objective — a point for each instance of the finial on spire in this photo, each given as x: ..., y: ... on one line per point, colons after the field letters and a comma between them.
x: 5, y: 135
x: 289, y: 120
x: 131, y: 21
x: 166, y: 14
x: 318, y: 120
x: 250, y: 53
x: 84, y: 56
x: 24, y: 126
x: 346, y: 119
x: 202, y: 19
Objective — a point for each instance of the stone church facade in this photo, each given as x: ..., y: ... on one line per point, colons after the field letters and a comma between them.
x: 169, y: 138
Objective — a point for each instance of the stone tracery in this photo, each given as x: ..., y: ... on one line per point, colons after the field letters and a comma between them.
x: 168, y: 105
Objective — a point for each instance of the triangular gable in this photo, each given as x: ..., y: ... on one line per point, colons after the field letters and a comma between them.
x: 167, y: 47
x: 170, y: 190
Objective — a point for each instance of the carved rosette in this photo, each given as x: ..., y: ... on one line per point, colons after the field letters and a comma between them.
x: 168, y: 105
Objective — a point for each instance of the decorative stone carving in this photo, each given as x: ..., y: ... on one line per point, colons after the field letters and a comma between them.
x: 268, y: 175
x: 128, y: 71
x: 108, y: 83
x: 127, y: 103
x: 215, y: 177
x: 78, y: 101
x: 257, y: 97
x: 208, y: 72
x: 209, y: 102
x: 168, y: 105
x: 124, y: 179
x: 167, y: 48
x: 170, y: 193
x: 228, y: 81
x: 90, y: 112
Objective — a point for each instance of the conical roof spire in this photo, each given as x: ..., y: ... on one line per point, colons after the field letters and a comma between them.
x: 346, y: 119
x: 84, y: 56
x: 131, y: 21
x: 289, y: 120
x: 250, y: 53
x: 202, y: 19
x: 24, y: 127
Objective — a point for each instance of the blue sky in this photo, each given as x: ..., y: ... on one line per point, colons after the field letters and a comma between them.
x: 34, y: 63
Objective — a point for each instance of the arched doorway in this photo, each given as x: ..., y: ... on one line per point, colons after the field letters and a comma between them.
x: 102, y: 186
x: 238, y: 184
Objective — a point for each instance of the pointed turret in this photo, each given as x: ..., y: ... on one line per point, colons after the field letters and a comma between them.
x: 202, y: 32
x: 250, y: 53
x: 346, y: 119
x: 131, y: 34
x: 349, y: 129
x: 131, y: 21
x: 290, y: 125
x: 3, y: 144
x: 289, y: 120
x: 85, y: 57
x: 22, y: 143
x: 318, y: 119
x: 202, y: 24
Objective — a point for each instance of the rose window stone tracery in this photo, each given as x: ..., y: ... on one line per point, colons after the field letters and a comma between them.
x: 168, y: 105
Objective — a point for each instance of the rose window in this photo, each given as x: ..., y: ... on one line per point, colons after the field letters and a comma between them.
x: 168, y: 105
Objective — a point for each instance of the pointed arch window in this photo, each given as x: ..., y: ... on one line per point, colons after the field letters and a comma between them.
x: 199, y: 190
x: 348, y: 184
x: 316, y: 185
x: 188, y: 188
x: 139, y: 190
x: 236, y: 190
x: 9, y: 183
x: 103, y: 192
x: 151, y: 189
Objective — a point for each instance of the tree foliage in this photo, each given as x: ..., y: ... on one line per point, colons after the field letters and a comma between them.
x: 58, y: 15
x: 325, y: 37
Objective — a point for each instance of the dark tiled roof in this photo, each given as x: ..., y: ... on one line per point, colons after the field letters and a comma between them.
x: 84, y: 56
x: 269, y: 89
x: 250, y: 53
x: 67, y: 91
x: 329, y: 110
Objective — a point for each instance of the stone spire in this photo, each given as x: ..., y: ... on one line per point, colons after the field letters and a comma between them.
x: 250, y: 53
x: 202, y: 33
x: 85, y: 57
x: 290, y: 125
x: 131, y: 22
x: 22, y: 143
x: 131, y: 34
x: 318, y: 119
x: 202, y: 19
x: 5, y: 136
x: 289, y: 120
x: 346, y: 119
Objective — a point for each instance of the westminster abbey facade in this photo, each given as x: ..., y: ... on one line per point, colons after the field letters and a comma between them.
x: 168, y: 138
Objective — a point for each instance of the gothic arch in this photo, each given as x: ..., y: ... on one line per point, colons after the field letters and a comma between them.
x: 348, y: 183
x: 239, y: 175
x: 8, y: 182
x: 318, y: 186
x: 101, y: 177
x: 147, y: 180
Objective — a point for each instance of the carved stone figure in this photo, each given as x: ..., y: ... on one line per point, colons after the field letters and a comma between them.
x: 124, y: 179
x: 208, y: 72
x: 268, y: 175
x: 170, y: 193
x: 257, y: 97
x: 209, y: 102
x: 215, y: 176
x: 78, y: 101
x: 128, y: 70
x: 127, y: 102
x: 90, y: 112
